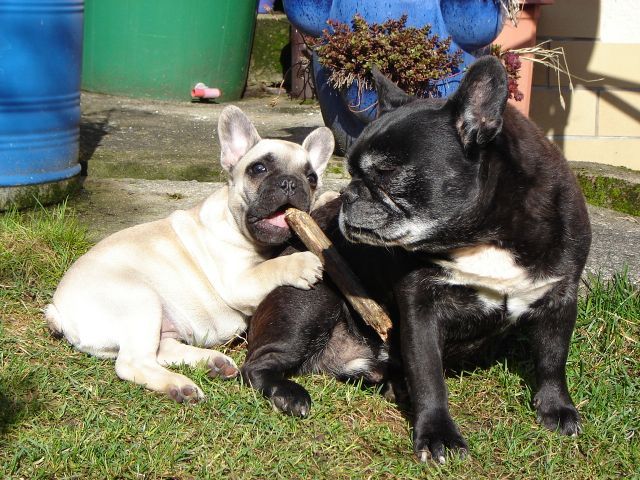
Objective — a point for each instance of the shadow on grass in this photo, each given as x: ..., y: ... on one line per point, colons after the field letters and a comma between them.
x: 511, y: 350
x: 16, y: 406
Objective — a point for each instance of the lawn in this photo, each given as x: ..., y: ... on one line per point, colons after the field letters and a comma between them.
x: 64, y: 414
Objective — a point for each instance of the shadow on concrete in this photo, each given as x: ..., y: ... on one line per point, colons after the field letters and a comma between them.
x: 91, y: 134
x: 297, y: 134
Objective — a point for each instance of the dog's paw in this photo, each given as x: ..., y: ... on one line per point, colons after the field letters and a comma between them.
x: 291, y: 398
x: 305, y: 270
x: 223, y: 367
x: 563, y: 418
x: 188, y: 393
x: 437, y: 436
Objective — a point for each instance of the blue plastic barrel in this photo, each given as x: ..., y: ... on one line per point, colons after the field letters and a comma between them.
x: 40, y: 65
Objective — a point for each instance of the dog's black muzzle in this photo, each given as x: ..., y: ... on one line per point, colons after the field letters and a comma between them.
x: 274, y: 196
x: 276, y: 193
x: 360, y: 210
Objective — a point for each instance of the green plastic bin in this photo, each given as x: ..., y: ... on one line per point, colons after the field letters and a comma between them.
x: 162, y: 48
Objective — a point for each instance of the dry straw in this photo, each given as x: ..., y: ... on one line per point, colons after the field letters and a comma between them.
x: 555, y: 59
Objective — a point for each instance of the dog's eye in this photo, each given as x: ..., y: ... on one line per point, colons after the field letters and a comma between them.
x: 313, y: 179
x: 258, y: 168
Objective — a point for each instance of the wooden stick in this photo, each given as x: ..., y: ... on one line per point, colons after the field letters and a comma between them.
x: 342, y: 275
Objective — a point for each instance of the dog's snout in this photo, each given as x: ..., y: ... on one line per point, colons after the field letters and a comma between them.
x: 288, y: 185
x: 354, y: 191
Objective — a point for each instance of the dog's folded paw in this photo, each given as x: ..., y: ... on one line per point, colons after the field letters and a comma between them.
x: 291, y: 398
x: 223, y: 367
x: 437, y: 437
x: 185, y: 393
x: 305, y: 270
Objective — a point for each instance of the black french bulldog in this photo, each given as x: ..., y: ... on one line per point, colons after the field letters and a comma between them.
x: 466, y: 223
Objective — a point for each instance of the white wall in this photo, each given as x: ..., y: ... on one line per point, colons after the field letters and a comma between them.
x: 619, y: 21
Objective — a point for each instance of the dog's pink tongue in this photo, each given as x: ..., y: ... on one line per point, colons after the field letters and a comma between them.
x: 278, y: 220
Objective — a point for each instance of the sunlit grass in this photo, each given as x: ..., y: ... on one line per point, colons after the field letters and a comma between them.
x: 64, y: 414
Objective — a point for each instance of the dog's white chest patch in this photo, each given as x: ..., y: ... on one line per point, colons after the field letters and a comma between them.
x: 496, y: 277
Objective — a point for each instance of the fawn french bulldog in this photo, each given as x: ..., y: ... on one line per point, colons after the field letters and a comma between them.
x: 163, y: 292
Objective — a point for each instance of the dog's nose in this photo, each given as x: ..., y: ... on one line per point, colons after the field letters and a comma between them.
x: 288, y: 186
x: 349, y: 195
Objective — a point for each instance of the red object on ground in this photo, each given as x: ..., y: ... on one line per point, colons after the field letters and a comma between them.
x: 202, y: 91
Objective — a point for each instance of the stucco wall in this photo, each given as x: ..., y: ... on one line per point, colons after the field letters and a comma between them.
x: 601, y: 40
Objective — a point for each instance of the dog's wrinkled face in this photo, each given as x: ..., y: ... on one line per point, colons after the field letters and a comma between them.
x: 416, y: 169
x: 268, y: 176
x: 272, y: 176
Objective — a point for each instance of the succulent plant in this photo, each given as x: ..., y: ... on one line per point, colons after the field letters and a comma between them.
x: 411, y: 57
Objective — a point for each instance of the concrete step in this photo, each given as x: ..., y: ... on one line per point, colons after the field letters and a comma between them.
x: 616, y: 188
x: 130, y: 138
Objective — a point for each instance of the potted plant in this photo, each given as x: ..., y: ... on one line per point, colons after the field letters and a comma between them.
x: 419, y: 62
x: 471, y: 24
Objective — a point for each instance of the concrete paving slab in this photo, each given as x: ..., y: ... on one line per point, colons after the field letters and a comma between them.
x: 150, y: 139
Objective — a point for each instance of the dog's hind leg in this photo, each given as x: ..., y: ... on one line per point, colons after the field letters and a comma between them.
x: 286, y: 330
x: 53, y: 321
x: 173, y: 352
x: 293, y: 332
x: 137, y: 355
x: 149, y: 373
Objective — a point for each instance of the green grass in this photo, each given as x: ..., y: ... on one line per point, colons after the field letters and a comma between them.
x: 64, y: 414
x: 36, y: 248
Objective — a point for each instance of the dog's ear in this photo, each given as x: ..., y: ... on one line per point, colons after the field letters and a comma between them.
x: 390, y: 96
x: 319, y: 144
x: 237, y: 135
x: 479, y: 102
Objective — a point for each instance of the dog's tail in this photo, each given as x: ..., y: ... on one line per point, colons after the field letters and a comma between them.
x: 53, y: 320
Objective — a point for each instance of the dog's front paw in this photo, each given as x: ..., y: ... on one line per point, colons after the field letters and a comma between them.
x: 291, y: 398
x: 557, y: 416
x: 223, y: 367
x: 304, y: 270
x: 188, y: 393
x: 436, y: 435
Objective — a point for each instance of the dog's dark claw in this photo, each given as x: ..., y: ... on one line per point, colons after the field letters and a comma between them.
x: 438, y: 439
x: 291, y: 398
x: 438, y: 452
x: 565, y: 420
x: 557, y: 414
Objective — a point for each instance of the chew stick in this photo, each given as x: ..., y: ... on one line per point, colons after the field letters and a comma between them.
x: 344, y: 278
